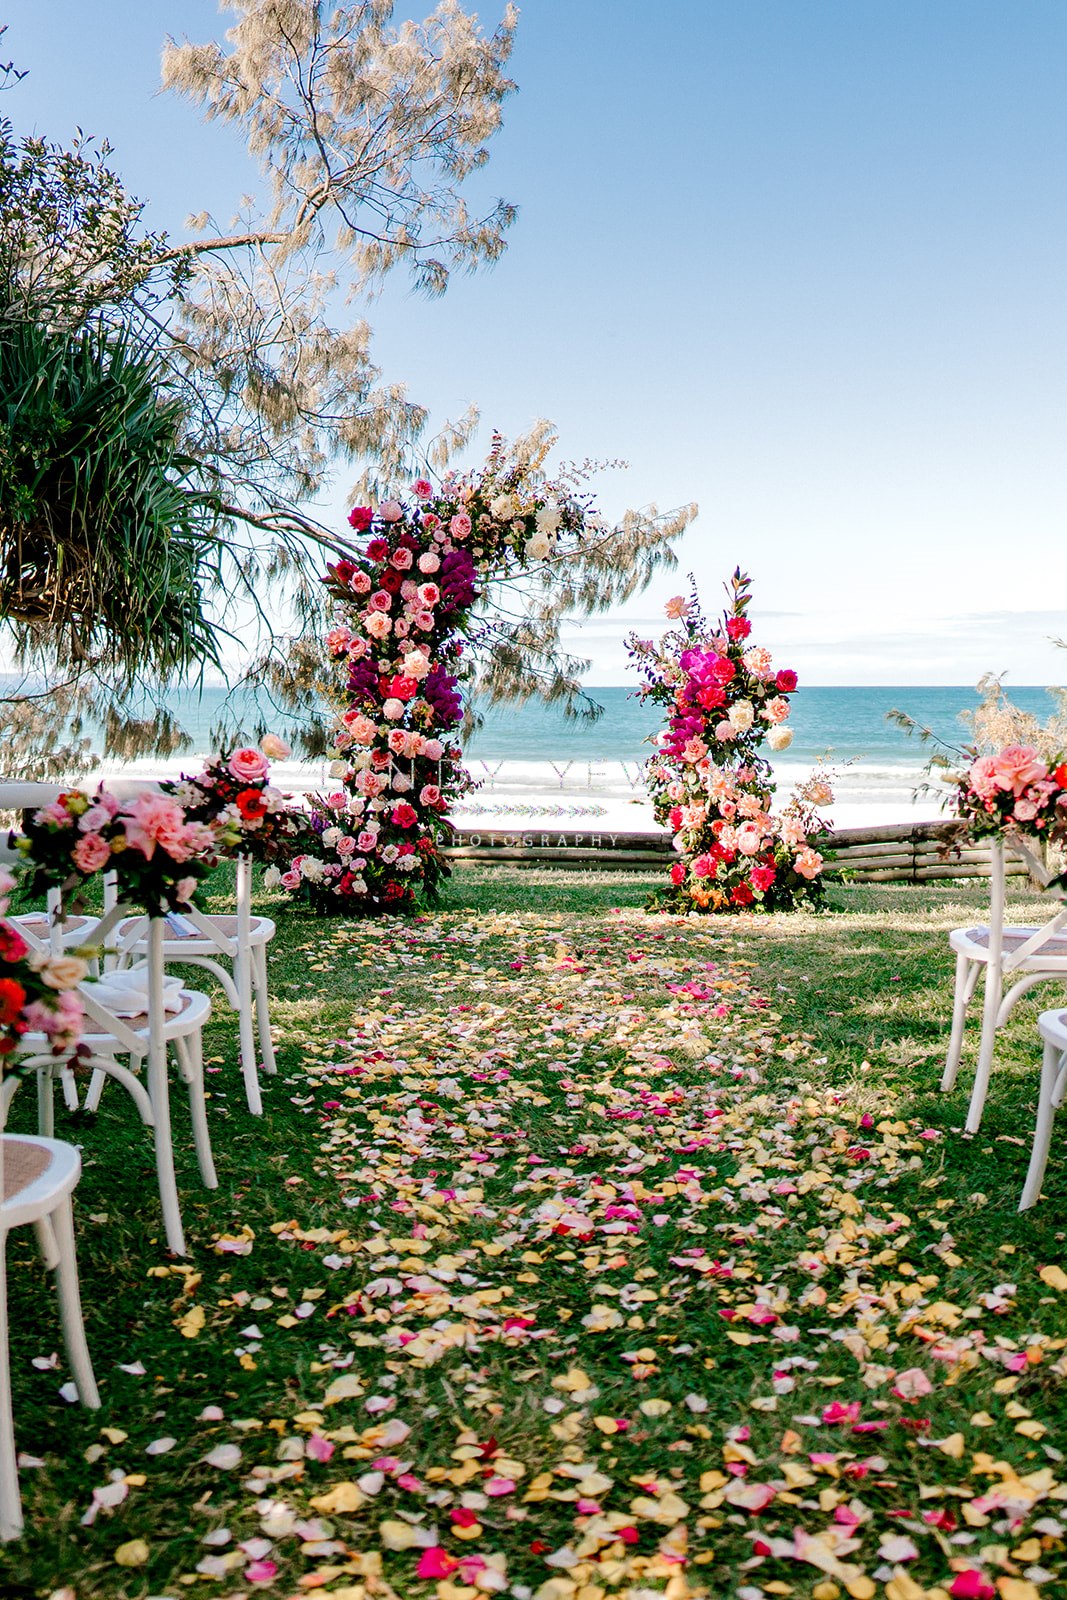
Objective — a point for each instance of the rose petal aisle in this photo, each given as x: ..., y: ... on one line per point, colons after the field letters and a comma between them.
x: 565, y: 1276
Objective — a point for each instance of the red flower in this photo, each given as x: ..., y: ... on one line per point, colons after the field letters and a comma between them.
x: 377, y: 550
x: 12, y: 945
x: 12, y: 999
x: 404, y: 816
x: 785, y: 681
x: 392, y: 580
x: 343, y: 571
x: 360, y: 518
x: 251, y: 804
x: 762, y: 878
x: 394, y: 890
x: 1060, y: 775
x: 678, y: 873
x: 738, y: 627
x: 742, y: 895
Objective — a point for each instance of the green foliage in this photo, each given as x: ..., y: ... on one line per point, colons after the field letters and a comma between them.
x: 108, y: 541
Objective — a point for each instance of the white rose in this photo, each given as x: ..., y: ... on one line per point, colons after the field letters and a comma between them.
x: 272, y: 878
x: 538, y: 547
x: 742, y: 715
x: 401, y: 783
x: 780, y: 738
x: 504, y: 507
x: 389, y: 854
x: 312, y: 869
x: 548, y: 518
x: 338, y: 769
x: 330, y: 837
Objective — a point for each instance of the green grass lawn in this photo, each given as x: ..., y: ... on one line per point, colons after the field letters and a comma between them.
x: 579, y: 1253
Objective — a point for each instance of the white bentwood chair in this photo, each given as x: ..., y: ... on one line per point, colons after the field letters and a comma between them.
x: 1014, y: 960
x: 143, y: 1040
x: 196, y: 939
x: 38, y: 1179
x: 1052, y: 1028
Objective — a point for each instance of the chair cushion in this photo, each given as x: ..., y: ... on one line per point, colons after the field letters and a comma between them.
x: 23, y: 1164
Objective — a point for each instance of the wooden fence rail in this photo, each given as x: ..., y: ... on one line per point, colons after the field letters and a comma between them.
x: 904, y: 852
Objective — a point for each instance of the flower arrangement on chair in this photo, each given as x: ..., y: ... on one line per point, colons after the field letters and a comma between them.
x: 709, y: 781
x: 158, y: 854
x: 37, y: 990
x: 402, y: 610
x: 1015, y: 791
x: 234, y: 796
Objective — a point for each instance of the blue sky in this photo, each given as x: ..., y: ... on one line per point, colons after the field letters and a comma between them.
x: 802, y: 263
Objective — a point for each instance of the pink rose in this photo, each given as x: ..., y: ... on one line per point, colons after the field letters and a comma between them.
x: 184, y: 890
x: 381, y: 600
x: 337, y: 801
x: 677, y: 606
x: 423, y: 488
x: 460, y: 525
x: 290, y: 879
x: 1024, y: 811
x: 429, y: 594
x: 367, y: 842
x: 1017, y: 766
x: 248, y: 765
x: 391, y: 511
x: 433, y: 749
x: 393, y: 709
x: 378, y: 624
x: 346, y: 845
x: 397, y: 741
x: 401, y: 560
x: 703, y: 867
x: 429, y: 794
x: 983, y: 777
x: 423, y: 620
x: 153, y: 819
x: 338, y: 640
x: 91, y: 852
x: 429, y: 562
x: 98, y: 815
x: 776, y: 710
x: 357, y: 649
x: 430, y: 521
x: 359, y: 583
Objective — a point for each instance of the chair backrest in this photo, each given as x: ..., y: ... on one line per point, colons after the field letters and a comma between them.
x: 1041, y: 937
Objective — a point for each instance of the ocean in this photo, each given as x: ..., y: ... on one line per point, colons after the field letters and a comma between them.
x: 533, y: 763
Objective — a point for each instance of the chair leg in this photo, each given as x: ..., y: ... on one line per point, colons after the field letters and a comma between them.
x: 259, y: 976
x: 965, y: 981
x: 242, y: 975
x: 191, y: 1058
x: 95, y: 1089
x: 1046, y: 1112
x: 168, y: 1186
x: 70, y: 1308
x: 70, y: 1088
x: 993, y: 990
x: 46, y: 1114
x: 10, y: 1503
